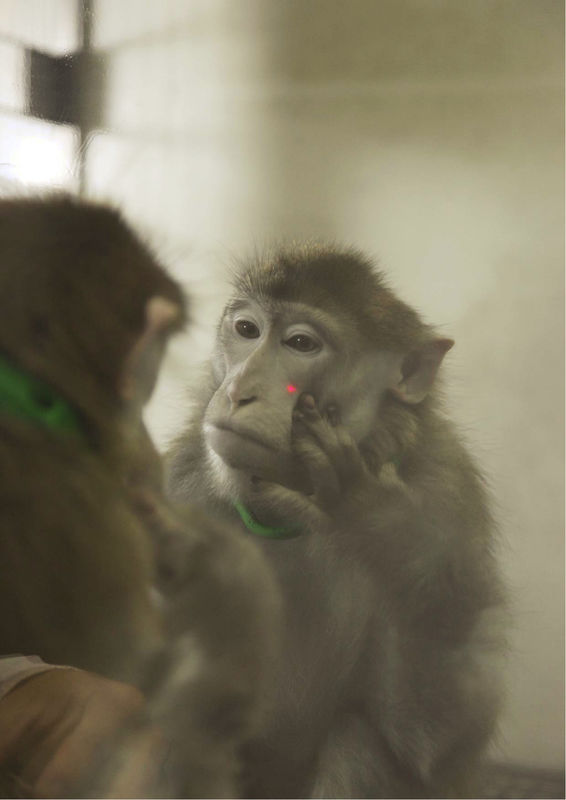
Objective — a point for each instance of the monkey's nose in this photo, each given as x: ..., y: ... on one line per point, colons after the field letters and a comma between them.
x: 240, y: 397
x: 245, y: 401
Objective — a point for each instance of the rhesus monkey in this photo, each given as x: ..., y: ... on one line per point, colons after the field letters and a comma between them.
x: 321, y: 429
x: 87, y: 539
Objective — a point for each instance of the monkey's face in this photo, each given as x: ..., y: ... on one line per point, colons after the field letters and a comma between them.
x: 267, y: 354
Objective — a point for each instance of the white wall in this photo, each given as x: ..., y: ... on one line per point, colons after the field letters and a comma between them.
x: 429, y: 132
x: 34, y: 153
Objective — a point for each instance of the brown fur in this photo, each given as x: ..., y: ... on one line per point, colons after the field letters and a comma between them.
x: 86, y: 534
x: 74, y: 281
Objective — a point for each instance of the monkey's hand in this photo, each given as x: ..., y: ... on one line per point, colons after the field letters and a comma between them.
x: 337, y: 470
x: 341, y: 485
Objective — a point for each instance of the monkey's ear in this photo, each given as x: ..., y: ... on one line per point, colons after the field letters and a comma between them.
x: 418, y: 370
x: 142, y: 364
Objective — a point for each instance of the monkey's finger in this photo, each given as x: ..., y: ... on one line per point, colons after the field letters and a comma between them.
x: 291, y: 504
x: 307, y: 419
x: 333, y: 415
x: 323, y: 477
x: 349, y: 464
x: 333, y: 438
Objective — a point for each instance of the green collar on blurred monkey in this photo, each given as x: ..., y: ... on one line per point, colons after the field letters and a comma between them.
x: 27, y: 397
x: 255, y: 527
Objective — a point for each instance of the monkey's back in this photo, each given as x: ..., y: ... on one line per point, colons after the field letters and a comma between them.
x: 75, y: 568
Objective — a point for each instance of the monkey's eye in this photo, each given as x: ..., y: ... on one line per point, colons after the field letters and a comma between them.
x: 302, y: 343
x: 247, y: 329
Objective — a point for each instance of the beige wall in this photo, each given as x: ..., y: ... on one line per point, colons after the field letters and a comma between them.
x: 428, y: 132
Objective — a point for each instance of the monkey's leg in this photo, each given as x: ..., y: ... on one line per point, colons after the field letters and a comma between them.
x: 356, y: 762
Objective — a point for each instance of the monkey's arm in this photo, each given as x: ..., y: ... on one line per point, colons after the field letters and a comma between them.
x: 435, y: 572
x: 428, y: 547
x: 221, y: 615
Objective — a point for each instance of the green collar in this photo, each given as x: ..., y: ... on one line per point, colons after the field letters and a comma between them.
x: 256, y: 527
x: 28, y: 397
x: 287, y: 532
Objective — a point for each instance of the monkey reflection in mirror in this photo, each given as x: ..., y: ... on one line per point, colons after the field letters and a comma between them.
x: 322, y: 431
x: 87, y: 537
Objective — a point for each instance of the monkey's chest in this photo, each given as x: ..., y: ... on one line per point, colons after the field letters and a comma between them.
x: 327, y: 610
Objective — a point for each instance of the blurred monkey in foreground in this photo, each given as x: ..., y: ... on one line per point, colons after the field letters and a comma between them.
x: 97, y: 571
x: 321, y: 431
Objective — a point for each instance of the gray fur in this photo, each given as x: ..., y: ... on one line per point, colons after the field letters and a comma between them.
x: 389, y: 682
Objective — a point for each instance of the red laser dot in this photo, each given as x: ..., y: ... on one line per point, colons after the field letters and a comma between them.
x: 291, y: 388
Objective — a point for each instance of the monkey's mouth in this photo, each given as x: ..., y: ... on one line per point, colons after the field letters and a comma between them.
x: 248, y: 452
x: 225, y: 431
x: 239, y: 448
